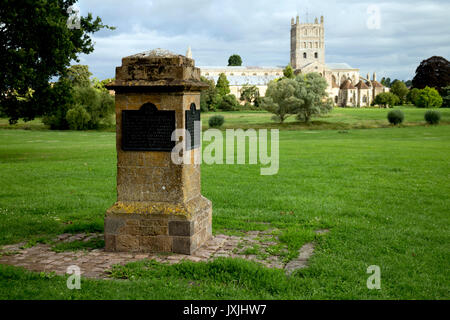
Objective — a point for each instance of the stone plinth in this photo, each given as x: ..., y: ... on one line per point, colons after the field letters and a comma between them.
x: 159, y: 204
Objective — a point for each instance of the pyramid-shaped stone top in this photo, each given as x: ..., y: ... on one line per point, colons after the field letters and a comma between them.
x: 158, y: 56
x: 158, y: 52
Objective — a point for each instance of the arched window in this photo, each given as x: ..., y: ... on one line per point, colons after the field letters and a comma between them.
x: 304, y: 55
x: 317, y: 45
x: 316, y: 55
x: 306, y: 32
x: 365, y: 99
x: 333, y: 80
x: 310, y: 45
x: 304, y: 45
x: 336, y: 99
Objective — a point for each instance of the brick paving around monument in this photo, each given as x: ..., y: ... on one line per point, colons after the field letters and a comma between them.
x: 95, y: 263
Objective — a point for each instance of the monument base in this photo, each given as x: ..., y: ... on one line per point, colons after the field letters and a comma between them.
x: 158, y: 226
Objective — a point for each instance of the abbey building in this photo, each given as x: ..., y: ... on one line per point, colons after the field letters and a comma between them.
x: 346, y: 87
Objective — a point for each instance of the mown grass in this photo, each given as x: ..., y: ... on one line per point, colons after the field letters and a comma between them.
x: 383, y: 193
x: 337, y: 119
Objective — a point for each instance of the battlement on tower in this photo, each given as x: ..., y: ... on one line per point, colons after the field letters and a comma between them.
x: 307, y: 42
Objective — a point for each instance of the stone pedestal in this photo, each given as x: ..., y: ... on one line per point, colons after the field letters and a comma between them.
x: 159, y: 204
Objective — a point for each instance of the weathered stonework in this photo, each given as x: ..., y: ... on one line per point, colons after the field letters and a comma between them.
x: 159, y: 204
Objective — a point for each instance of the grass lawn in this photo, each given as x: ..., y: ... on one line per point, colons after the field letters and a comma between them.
x: 383, y: 193
x: 338, y: 118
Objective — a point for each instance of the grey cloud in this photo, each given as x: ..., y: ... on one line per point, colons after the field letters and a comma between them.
x: 260, y: 30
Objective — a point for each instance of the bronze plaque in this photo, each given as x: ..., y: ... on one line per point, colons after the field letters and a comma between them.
x: 148, y: 129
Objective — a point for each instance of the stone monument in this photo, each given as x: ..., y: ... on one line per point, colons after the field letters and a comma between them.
x: 159, y: 204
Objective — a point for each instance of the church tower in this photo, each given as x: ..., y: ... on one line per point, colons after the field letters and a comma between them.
x: 307, y: 42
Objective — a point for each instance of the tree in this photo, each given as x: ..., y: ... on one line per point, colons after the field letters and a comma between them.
x: 208, y: 96
x: 386, y: 99
x: 78, y: 75
x: 36, y: 45
x: 400, y: 90
x: 412, y: 96
x: 386, y: 82
x: 312, y: 95
x: 249, y: 93
x: 235, y: 60
x: 433, y: 72
x: 223, y: 85
x: 81, y: 106
x: 229, y: 103
x: 446, y: 97
x: 429, y: 98
x: 280, y: 99
x: 304, y: 96
x: 288, y: 72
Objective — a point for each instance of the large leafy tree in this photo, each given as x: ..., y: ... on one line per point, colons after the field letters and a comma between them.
x: 433, y: 72
x: 280, y: 99
x: 429, y: 98
x: 249, y: 93
x: 223, y: 85
x: 400, y: 89
x: 311, y: 92
x: 36, y: 44
x: 235, y: 60
x: 446, y: 97
x: 386, y: 99
x: 304, y: 96
x: 288, y: 72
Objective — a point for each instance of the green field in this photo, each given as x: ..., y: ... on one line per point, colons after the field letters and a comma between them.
x: 338, y: 118
x: 383, y: 193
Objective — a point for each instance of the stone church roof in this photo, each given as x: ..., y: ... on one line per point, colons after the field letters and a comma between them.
x: 376, y: 84
x: 347, y: 85
x: 361, y: 85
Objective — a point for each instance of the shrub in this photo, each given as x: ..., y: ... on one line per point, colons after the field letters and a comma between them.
x: 445, y: 93
x: 216, y: 121
x: 78, y: 118
x: 229, y: 103
x: 396, y: 117
x: 387, y: 99
x: 432, y: 117
x: 429, y: 98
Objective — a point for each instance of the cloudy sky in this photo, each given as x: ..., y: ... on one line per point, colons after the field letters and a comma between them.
x: 259, y: 31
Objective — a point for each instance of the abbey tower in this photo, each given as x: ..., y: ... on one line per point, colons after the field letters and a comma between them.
x: 346, y: 87
x: 307, y: 43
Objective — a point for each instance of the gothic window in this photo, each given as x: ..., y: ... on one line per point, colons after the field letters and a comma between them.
x: 365, y: 99
x: 316, y: 55
x: 304, y: 55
